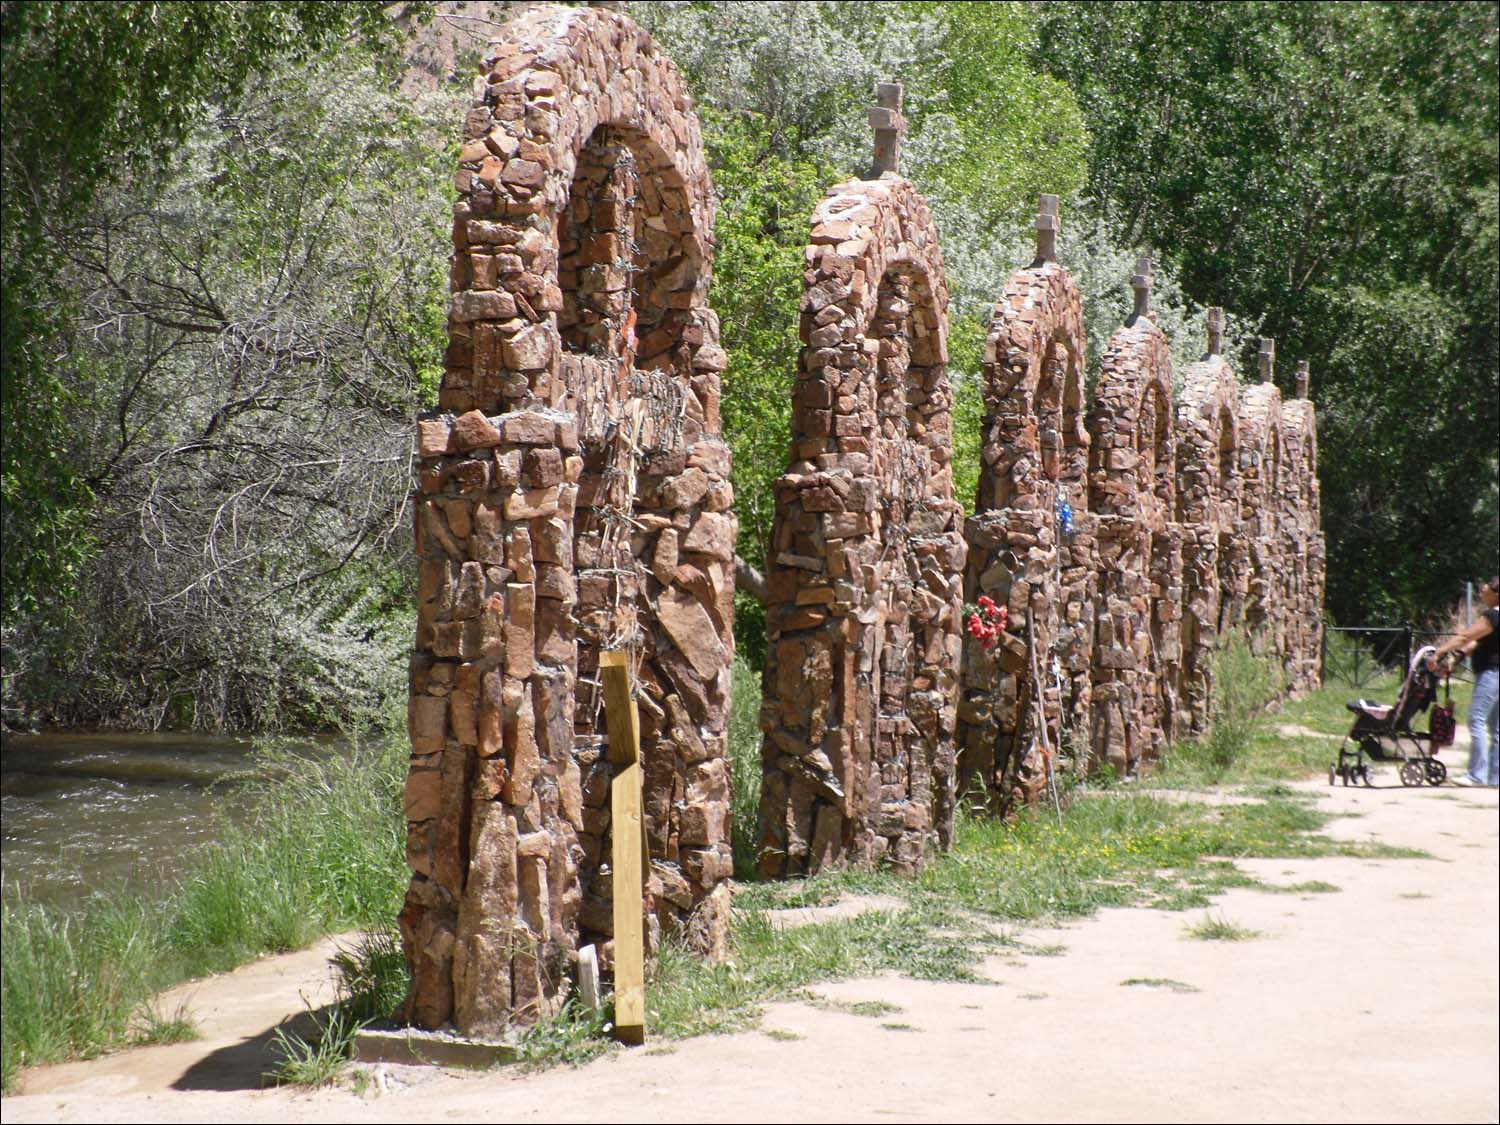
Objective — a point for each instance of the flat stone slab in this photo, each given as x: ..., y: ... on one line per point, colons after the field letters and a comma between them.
x: 850, y: 906
x: 412, y: 1047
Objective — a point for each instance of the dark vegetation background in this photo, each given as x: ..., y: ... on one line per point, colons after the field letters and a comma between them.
x: 224, y: 236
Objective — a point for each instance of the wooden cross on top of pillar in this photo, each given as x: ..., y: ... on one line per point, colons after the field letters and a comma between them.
x: 1267, y: 359
x: 886, y: 120
x: 1047, y: 225
x: 1304, y: 376
x: 1214, y: 318
x: 1141, y: 283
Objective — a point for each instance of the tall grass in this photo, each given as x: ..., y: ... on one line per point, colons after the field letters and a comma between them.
x: 321, y: 851
x: 744, y: 767
x: 1243, y: 685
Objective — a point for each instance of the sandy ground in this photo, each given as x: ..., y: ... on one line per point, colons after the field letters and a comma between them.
x: 1375, y: 1003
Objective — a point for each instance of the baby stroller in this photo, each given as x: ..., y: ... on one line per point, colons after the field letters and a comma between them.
x: 1385, y: 732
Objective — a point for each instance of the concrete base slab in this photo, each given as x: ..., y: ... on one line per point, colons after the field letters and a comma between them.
x: 411, y: 1047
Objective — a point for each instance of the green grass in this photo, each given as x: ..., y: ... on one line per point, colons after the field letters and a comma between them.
x: 1254, y: 754
x: 1209, y: 928
x: 153, y: 1027
x: 744, y: 760
x: 322, y: 851
x: 319, y: 1056
x: 1166, y: 983
x: 1130, y: 848
x: 1310, y: 887
x: 871, y: 1008
x: 315, y: 1049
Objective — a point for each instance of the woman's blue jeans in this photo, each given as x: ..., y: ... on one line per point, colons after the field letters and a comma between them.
x: 1484, y: 729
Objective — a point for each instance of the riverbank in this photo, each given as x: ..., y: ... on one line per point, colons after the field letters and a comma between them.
x: 316, y: 848
x: 1342, y: 1006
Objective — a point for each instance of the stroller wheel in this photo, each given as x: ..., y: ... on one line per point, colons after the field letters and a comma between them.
x: 1412, y: 773
x: 1367, y: 775
x: 1437, y: 773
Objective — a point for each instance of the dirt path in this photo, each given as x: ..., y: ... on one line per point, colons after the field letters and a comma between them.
x: 1377, y: 1002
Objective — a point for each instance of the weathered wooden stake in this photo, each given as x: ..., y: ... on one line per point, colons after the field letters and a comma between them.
x: 627, y: 837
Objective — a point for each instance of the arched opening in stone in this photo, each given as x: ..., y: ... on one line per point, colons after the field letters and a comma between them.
x: 913, y: 454
x: 627, y: 262
x: 1228, y: 457
x: 1075, y: 453
x: 625, y: 248
x: 1271, y: 487
x: 1156, y: 468
x: 1049, y: 415
x: 1233, y: 556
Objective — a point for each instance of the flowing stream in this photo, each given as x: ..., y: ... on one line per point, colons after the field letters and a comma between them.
x: 83, y: 813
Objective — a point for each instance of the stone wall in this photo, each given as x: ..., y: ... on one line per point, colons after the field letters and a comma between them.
x: 1023, y: 553
x: 863, y: 586
x: 574, y: 496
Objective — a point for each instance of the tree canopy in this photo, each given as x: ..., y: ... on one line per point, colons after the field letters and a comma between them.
x: 1330, y: 168
x: 199, y: 291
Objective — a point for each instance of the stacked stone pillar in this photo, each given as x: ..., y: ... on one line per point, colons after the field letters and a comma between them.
x: 863, y: 579
x: 1137, y: 647
x: 1260, y: 450
x: 574, y: 496
x: 1032, y: 541
x: 1207, y: 508
x: 1302, y: 545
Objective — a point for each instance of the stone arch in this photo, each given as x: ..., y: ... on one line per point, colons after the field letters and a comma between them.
x: 1304, y: 544
x: 574, y: 496
x: 1207, y: 507
x: 1260, y: 468
x: 863, y: 577
x: 1035, y: 456
x: 1132, y: 469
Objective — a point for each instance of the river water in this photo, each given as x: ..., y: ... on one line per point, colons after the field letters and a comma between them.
x: 97, y: 812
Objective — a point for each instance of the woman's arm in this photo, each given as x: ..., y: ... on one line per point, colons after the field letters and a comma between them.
x: 1465, y: 640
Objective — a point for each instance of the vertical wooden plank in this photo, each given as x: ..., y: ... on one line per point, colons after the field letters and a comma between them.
x: 627, y: 836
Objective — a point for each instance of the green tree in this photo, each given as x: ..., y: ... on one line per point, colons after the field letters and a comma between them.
x: 94, y: 94
x: 250, y: 323
x: 1329, y: 169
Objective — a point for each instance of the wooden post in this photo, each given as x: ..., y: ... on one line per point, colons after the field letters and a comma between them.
x: 627, y: 838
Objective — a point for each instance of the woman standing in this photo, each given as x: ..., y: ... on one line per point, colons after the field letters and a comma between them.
x: 1483, y: 637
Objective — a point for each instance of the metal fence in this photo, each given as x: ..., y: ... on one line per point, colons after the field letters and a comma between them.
x: 1356, y: 655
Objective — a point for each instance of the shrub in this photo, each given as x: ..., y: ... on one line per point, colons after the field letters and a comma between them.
x: 1243, y: 684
